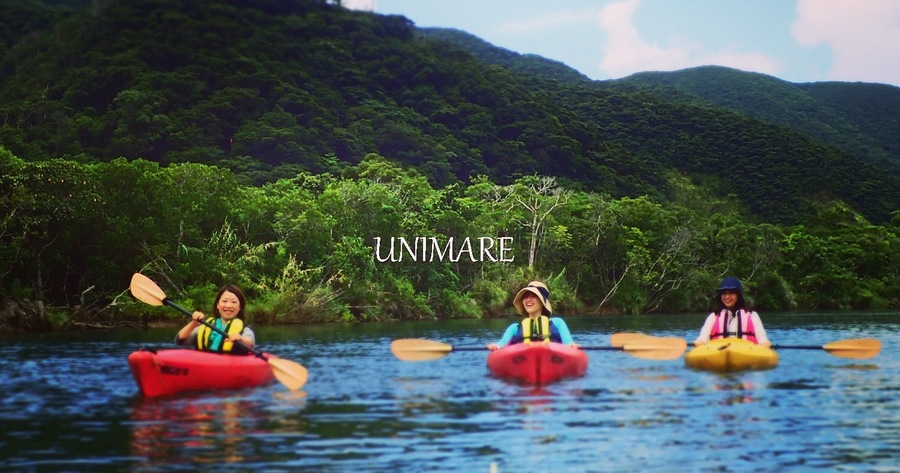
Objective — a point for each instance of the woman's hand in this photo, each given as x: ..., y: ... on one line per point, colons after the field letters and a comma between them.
x: 237, y: 337
x: 492, y: 346
x: 196, y: 318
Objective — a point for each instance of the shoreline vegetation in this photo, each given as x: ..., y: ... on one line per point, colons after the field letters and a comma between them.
x: 73, y: 234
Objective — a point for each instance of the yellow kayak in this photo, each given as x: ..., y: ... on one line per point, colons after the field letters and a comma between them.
x: 731, y: 354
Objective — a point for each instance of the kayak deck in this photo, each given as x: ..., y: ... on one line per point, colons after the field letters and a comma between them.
x: 171, y: 371
x: 537, y: 363
x: 731, y: 354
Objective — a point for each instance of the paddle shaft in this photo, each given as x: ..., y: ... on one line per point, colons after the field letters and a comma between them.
x: 188, y: 313
x: 798, y: 347
x: 790, y: 347
x: 580, y: 348
x: 622, y: 348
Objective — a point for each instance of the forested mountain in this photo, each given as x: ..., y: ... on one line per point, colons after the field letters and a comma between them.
x: 269, y: 88
x: 528, y: 64
x: 859, y: 118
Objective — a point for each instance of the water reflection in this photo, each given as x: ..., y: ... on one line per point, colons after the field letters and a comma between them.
x: 531, y: 405
x: 212, y: 428
x: 740, y: 392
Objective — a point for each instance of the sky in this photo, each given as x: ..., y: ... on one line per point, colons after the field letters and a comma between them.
x: 795, y: 40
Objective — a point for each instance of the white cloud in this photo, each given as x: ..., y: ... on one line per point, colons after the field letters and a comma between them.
x: 365, y: 5
x: 626, y: 52
x: 864, y: 37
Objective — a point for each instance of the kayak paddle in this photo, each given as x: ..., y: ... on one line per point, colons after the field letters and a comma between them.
x: 414, y: 349
x: 650, y: 348
x: 657, y: 348
x: 291, y: 374
x: 856, y: 348
x: 621, y: 338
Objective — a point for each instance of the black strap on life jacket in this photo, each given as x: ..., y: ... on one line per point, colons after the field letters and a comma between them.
x: 724, y: 333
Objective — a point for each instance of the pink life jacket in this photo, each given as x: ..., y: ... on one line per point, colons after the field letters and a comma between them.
x: 720, y: 330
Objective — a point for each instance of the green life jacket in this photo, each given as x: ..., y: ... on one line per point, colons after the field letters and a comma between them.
x: 536, y: 329
x: 211, y: 340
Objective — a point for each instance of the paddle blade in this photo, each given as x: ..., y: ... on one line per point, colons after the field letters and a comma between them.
x: 620, y: 339
x: 414, y: 349
x: 657, y: 348
x: 291, y: 374
x: 857, y: 348
x: 146, y: 290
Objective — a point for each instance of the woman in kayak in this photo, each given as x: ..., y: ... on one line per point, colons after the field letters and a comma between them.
x: 533, y: 302
x: 228, y: 316
x: 732, y: 318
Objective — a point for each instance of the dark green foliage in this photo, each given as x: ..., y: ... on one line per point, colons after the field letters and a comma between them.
x: 283, y: 84
x: 525, y: 64
x: 315, y: 248
x: 270, y: 143
x: 860, y: 119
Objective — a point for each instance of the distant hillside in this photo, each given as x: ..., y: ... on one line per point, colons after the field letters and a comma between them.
x: 858, y: 118
x: 268, y: 88
x: 528, y: 64
x: 873, y: 110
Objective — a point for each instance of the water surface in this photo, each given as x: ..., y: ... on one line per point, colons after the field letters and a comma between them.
x: 70, y: 404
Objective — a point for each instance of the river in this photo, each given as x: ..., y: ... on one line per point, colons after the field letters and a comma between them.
x: 70, y: 404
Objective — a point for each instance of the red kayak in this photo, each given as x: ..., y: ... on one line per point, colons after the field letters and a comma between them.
x: 165, y: 372
x: 537, y: 363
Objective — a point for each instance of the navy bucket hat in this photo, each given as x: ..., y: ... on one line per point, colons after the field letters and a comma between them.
x: 732, y: 284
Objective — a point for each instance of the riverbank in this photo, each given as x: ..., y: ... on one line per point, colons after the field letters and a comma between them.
x: 18, y: 316
x: 35, y: 317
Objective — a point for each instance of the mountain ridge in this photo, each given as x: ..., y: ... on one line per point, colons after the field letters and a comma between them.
x: 269, y: 88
